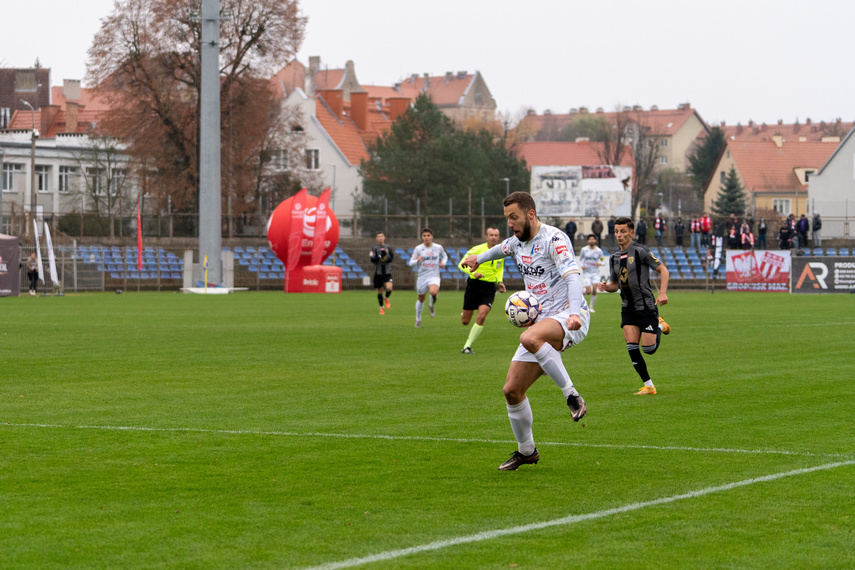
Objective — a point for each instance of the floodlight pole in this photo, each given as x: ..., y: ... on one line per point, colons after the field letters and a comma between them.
x: 210, y: 190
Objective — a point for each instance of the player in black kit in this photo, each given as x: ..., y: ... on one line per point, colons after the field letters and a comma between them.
x: 382, y: 257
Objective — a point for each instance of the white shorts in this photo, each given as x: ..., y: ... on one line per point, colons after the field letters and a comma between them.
x: 590, y: 279
x: 571, y: 338
x: 424, y: 283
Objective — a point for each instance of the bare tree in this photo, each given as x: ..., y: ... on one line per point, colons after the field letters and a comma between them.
x: 145, y: 61
x: 103, y: 186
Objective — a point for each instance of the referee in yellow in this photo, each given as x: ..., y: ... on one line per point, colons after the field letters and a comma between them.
x: 481, y: 288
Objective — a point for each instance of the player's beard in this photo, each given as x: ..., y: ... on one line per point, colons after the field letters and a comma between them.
x: 525, y: 234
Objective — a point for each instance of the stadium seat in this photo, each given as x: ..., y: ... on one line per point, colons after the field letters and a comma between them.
x: 831, y: 251
x: 843, y: 251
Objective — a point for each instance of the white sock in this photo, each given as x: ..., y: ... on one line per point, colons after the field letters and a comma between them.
x: 649, y: 383
x: 521, y: 420
x: 593, y: 300
x: 420, y: 306
x: 550, y: 360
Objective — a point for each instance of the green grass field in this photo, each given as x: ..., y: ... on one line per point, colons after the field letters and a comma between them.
x: 264, y: 430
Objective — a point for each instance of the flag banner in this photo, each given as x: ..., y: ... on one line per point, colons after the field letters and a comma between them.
x: 319, y: 234
x: 10, y: 255
x: 758, y: 271
x: 139, y: 237
x: 38, y: 251
x: 823, y: 275
x: 295, y: 233
x: 718, y: 245
x: 51, y: 257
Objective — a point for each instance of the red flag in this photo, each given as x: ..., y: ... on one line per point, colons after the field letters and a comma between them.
x: 295, y: 233
x: 139, y: 236
x: 320, y: 227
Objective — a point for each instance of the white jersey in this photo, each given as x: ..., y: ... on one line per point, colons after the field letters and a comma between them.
x: 590, y: 260
x: 543, y: 260
x: 432, y: 258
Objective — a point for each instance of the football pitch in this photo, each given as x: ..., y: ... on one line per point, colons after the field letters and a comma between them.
x: 264, y: 430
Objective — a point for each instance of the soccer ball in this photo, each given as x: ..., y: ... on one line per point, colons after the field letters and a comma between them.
x: 522, y: 309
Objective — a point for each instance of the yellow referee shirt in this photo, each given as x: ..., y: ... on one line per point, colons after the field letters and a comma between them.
x: 493, y: 271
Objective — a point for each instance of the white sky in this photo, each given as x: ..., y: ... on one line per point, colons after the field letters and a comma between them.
x: 733, y: 60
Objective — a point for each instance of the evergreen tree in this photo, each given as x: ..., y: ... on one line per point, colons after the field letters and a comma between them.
x: 703, y: 158
x: 424, y: 159
x: 731, y: 196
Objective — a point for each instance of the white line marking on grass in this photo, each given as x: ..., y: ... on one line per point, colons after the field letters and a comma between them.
x: 568, y: 520
x: 435, y: 439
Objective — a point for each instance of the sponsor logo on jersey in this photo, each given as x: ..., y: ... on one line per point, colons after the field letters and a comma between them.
x: 561, y: 249
x: 528, y: 270
x: 536, y: 248
x: 526, y: 258
x: 537, y: 288
x: 630, y: 259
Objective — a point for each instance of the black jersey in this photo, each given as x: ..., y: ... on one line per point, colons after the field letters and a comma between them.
x: 382, y: 257
x: 630, y: 269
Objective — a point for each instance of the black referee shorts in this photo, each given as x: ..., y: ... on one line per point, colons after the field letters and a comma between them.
x: 640, y: 319
x: 478, y: 293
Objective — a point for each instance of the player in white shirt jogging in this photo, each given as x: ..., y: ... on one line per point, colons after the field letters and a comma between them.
x: 544, y: 255
x: 430, y: 258
x: 591, y: 258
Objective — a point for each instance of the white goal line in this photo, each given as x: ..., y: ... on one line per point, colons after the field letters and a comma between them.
x: 426, y: 438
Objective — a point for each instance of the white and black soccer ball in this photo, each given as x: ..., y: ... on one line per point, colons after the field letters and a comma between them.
x: 522, y: 309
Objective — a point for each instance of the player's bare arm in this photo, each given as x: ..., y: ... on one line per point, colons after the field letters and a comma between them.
x: 610, y: 287
x: 471, y: 262
x: 664, y: 274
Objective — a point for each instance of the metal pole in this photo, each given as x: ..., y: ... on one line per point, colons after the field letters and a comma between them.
x: 210, y: 192
x: 507, y: 193
x: 34, y: 136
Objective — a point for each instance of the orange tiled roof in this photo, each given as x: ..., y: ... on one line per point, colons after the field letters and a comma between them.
x: 810, y: 131
x: 444, y: 90
x: 23, y: 120
x: 347, y: 137
x: 87, y: 99
x: 766, y: 167
x: 566, y: 153
x: 664, y: 122
x: 328, y: 78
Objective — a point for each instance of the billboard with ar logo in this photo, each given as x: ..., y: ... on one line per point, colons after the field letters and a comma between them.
x: 823, y: 275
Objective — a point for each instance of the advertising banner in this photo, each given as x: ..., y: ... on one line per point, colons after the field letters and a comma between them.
x: 823, y: 274
x: 758, y: 271
x: 10, y: 259
x: 587, y: 191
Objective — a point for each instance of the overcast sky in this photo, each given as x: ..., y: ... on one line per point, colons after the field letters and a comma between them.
x: 733, y: 60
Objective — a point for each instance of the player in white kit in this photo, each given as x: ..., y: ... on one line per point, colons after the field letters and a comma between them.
x: 544, y: 255
x: 591, y: 257
x: 430, y: 258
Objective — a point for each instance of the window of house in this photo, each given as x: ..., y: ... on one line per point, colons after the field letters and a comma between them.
x: 782, y: 206
x: 313, y: 159
x: 664, y: 160
x: 5, y: 117
x: 664, y: 142
x: 723, y: 176
x: 67, y: 175
x: 96, y: 179
x: 8, y: 178
x: 119, y: 176
x: 42, y: 178
x: 279, y: 159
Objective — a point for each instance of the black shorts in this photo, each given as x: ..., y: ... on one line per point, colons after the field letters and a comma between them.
x: 381, y: 279
x: 640, y: 319
x: 478, y: 293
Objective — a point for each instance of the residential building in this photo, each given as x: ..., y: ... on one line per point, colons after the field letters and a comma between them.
x: 67, y: 161
x: 831, y: 190
x: 774, y: 174
x: 460, y: 95
x: 674, y: 130
x: 796, y: 132
x: 18, y: 85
